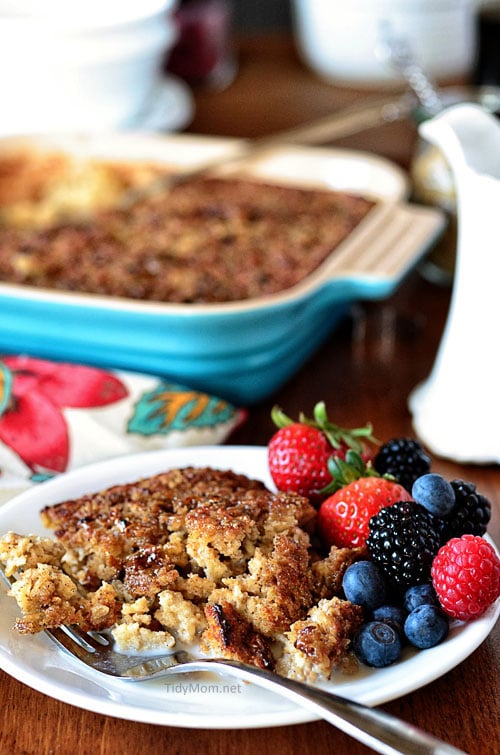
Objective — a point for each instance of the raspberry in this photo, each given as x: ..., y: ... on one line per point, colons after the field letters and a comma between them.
x: 466, y: 576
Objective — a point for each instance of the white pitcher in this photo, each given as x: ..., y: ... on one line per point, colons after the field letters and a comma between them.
x: 456, y: 411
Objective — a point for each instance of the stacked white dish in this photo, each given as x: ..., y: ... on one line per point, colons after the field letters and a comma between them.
x: 81, y: 65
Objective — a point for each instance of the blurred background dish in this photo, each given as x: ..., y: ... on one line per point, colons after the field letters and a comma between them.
x: 339, y: 40
x: 86, y: 66
x: 239, y: 350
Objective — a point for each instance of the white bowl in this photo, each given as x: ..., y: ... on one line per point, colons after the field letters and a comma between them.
x: 339, y: 41
x: 94, y: 68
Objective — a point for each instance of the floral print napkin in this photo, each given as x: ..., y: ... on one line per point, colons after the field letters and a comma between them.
x: 57, y: 416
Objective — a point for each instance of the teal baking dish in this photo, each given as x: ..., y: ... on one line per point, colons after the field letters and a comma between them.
x: 242, y: 351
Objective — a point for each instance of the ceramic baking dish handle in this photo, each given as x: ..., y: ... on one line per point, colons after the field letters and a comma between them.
x: 385, y: 246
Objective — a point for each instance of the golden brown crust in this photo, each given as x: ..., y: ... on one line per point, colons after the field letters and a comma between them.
x: 204, y: 240
x: 148, y: 571
x: 101, y: 530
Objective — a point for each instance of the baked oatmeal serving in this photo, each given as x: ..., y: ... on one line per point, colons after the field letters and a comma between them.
x: 191, y: 556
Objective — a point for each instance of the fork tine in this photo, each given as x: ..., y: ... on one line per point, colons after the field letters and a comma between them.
x: 73, y: 643
x: 89, y: 641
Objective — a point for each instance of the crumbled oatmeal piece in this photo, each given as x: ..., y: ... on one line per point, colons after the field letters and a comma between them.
x: 24, y: 552
x: 49, y: 598
x: 320, y: 641
x: 220, y: 538
x: 275, y: 591
x: 137, y: 612
x: 101, y: 609
x: 42, y: 586
x: 181, y: 617
x: 136, y: 638
x: 195, y: 587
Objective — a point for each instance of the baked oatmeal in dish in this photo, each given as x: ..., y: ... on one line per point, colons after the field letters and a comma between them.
x: 204, y: 240
x: 39, y: 188
x: 190, y: 556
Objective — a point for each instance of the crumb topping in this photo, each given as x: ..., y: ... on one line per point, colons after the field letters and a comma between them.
x: 203, y: 240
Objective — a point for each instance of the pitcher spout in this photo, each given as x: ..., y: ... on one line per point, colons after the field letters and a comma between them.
x: 468, y: 136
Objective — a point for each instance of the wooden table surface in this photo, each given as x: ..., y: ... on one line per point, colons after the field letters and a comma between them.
x: 364, y: 372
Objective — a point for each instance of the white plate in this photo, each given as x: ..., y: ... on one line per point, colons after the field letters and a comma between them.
x: 196, y: 703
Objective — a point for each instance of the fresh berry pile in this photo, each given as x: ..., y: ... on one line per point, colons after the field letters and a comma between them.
x: 425, y: 562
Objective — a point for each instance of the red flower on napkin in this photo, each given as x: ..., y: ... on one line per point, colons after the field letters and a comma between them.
x: 32, y: 394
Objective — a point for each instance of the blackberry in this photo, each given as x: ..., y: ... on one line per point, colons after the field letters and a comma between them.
x: 470, y: 514
x: 403, y: 541
x: 403, y: 458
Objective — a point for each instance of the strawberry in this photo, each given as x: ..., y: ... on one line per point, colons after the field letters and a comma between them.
x: 298, y: 460
x: 298, y: 453
x: 359, y: 493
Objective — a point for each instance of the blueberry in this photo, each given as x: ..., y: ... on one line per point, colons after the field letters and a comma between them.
x: 426, y: 626
x: 434, y: 493
x: 364, y: 585
x: 395, y: 616
x: 420, y: 595
x: 377, y: 644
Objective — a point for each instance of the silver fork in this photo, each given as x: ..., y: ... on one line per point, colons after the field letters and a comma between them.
x: 375, y: 728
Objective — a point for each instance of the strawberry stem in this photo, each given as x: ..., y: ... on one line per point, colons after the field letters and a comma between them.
x: 279, y: 417
x: 338, y: 436
x: 345, y: 471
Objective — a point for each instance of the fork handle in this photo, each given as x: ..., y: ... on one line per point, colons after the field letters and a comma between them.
x: 375, y: 728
